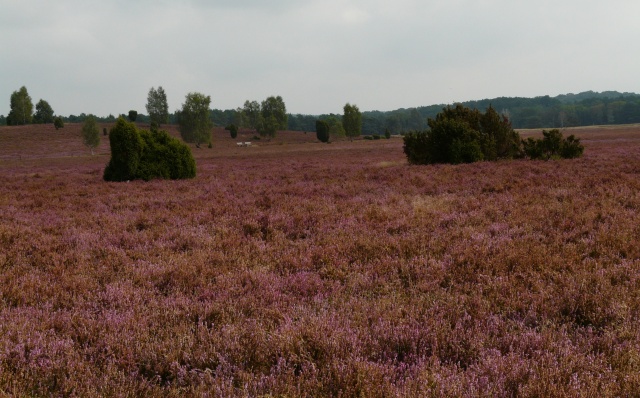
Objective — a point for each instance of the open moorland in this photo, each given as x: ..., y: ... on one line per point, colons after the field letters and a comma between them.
x: 293, y: 268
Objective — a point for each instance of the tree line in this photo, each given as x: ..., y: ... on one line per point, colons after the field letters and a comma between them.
x: 568, y: 110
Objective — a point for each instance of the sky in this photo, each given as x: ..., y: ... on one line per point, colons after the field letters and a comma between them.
x: 102, y: 57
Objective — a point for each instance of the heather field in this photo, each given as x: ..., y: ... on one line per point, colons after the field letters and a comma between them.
x: 298, y: 269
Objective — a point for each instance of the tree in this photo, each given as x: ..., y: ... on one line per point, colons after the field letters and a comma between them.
x: 251, y: 114
x: 90, y: 133
x: 157, y: 106
x: 58, y: 123
x: 335, y: 126
x: 133, y: 115
x: 141, y: 154
x: 194, y: 122
x: 352, y: 121
x: 21, y: 108
x: 273, y: 116
x: 44, y: 113
x: 322, y: 130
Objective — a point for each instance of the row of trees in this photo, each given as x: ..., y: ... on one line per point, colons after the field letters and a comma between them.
x: 588, y: 108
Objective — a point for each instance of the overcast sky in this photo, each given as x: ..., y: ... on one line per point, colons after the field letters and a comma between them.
x: 102, y: 57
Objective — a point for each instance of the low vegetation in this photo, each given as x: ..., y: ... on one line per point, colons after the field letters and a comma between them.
x: 309, y: 270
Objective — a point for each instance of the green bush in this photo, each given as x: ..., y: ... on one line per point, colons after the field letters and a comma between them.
x: 552, y: 145
x: 58, y: 123
x: 233, y: 130
x: 463, y: 135
x: 322, y: 130
x: 142, y: 154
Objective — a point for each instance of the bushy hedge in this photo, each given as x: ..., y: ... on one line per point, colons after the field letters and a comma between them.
x: 552, y: 145
x: 142, y: 154
x: 463, y: 135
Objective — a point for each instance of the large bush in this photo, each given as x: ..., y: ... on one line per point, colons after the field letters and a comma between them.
x: 463, y: 135
x: 142, y: 154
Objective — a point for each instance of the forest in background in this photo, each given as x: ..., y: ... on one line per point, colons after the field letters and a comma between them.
x: 566, y: 110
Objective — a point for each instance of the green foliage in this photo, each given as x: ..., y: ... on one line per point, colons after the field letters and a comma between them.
x: 142, y: 154
x: 250, y: 114
x: 58, y: 123
x: 126, y: 151
x: 552, y: 145
x: 233, y: 130
x: 322, y: 130
x: 21, y: 108
x: 273, y: 116
x: 44, y: 113
x: 194, y: 122
x: 133, y: 115
x: 352, y: 121
x: 463, y: 135
x: 157, y: 106
x: 164, y: 157
x: 90, y: 133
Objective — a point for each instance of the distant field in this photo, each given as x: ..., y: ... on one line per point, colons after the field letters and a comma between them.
x: 294, y: 268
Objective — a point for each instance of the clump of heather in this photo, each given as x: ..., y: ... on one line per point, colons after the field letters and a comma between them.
x: 299, y: 269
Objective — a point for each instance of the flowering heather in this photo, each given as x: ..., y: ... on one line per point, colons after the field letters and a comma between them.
x: 301, y: 269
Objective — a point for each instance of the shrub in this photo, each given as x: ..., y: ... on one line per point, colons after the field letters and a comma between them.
x: 233, y: 130
x: 552, y: 145
x: 58, y: 123
x: 463, y: 135
x: 142, y: 154
x: 322, y: 130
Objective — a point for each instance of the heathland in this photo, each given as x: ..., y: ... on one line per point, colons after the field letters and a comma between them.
x: 296, y: 268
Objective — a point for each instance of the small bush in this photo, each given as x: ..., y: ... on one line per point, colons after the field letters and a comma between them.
x: 552, y: 145
x: 142, y: 154
x: 58, y: 123
x: 233, y: 130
